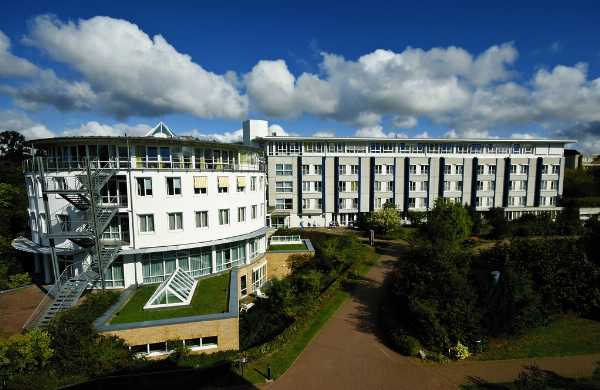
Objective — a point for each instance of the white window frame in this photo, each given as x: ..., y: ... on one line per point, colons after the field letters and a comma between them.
x: 175, y: 221
x: 201, y: 219
x: 223, y: 217
x: 146, y: 218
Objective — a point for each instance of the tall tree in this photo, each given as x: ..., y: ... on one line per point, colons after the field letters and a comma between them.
x: 448, y: 223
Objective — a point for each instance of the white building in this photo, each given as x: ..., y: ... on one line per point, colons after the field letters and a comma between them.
x: 160, y: 202
x: 323, y: 179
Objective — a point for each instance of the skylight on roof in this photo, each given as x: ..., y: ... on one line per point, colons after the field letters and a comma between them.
x: 177, y: 290
x: 162, y: 131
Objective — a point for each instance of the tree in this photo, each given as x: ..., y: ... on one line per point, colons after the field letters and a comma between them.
x: 24, y: 354
x: 475, y: 218
x: 385, y: 220
x: 497, y: 219
x: 12, y: 145
x: 447, y: 223
x: 534, y: 380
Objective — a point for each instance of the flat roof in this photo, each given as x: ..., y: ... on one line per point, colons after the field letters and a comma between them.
x: 421, y: 140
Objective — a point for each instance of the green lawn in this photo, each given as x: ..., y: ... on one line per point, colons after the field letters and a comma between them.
x: 288, y: 247
x: 569, y: 335
x: 280, y: 361
x: 210, y: 298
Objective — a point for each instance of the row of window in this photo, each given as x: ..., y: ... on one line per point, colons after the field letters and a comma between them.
x: 175, y: 220
x: 200, y: 184
x: 157, y: 266
x: 286, y: 148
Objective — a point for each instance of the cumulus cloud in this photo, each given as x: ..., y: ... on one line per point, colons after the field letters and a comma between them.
x: 12, y: 66
x: 18, y: 121
x: 587, y: 136
x: 277, y: 93
x: 469, y: 133
x: 422, y: 135
x: 325, y: 133
x: 236, y: 136
x: 94, y: 128
x: 404, y: 122
x: 371, y: 132
x: 131, y: 73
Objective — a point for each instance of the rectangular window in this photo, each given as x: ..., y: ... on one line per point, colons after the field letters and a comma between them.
x: 375, y: 148
x: 253, y: 244
x: 146, y: 223
x: 318, y: 186
x: 230, y: 255
x: 513, y: 168
x: 253, y: 183
x: 173, y: 186
x: 223, y: 184
x: 259, y: 276
x: 524, y: 169
x: 491, y: 169
x: 306, y: 186
x: 200, y: 185
x: 423, y: 186
x: 354, y: 186
x: 313, y: 147
x: 253, y: 212
x: 412, y: 186
x: 458, y: 185
x: 305, y: 204
x: 412, y: 169
x: 481, y: 169
x: 283, y: 186
x: 412, y: 203
x: 480, y: 185
x: 224, y: 217
x: 318, y: 204
x: 388, y: 148
x: 378, y: 186
x: 446, y: 185
x: 175, y: 221
x: 354, y: 169
x: 283, y: 204
x: 342, y: 169
x: 241, y: 214
x: 306, y: 169
x: 342, y: 186
x: 283, y: 169
x: 241, y: 183
x: 378, y: 169
x: 447, y: 169
x: 555, y: 169
x: 475, y: 148
x: 318, y: 169
x: 424, y: 169
x: 144, y: 186
x: 459, y: 169
x: 201, y: 219
x: 545, y: 169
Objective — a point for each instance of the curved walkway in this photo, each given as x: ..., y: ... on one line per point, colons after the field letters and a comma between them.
x: 350, y: 352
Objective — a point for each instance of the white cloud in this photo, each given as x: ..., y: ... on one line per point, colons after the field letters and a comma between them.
x: 18, y: 121
x: 404, y: 122
x: 94, y: 128
x: 277, y: 93
x: 236, y: 136
x: 422, y: 135
x: 469, y: 133
x: 13, y: 66
x: 371, y: 132
x: 132, y: 74
x: 325, y: 133
x: 278, y: 131
x: 525, y: 136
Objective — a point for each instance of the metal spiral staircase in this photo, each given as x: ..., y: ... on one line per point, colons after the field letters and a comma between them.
x: 82, y: 191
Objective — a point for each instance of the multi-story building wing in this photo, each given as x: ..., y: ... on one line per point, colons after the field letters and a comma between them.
x: 149, y: 205
x: 323, y: 179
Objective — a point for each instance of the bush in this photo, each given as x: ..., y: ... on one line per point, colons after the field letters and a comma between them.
x: 407, y: 345
x: 460, y: 351
x: 19, y: 280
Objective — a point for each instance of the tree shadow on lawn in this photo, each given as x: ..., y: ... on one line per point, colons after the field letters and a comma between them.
x: 554, y: 381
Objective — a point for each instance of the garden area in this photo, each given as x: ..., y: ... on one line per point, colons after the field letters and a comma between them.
x: 69, y: 350
x: 523, y: 298
x: 210, y: 297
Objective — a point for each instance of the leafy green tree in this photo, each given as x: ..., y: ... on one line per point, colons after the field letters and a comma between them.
x: 500, y: 225
x: 385, y: 220
x: 448, y: 223
x: 476, y: 218
x: 12, y: 145
x: 580, y: 183
x: 24, y: 354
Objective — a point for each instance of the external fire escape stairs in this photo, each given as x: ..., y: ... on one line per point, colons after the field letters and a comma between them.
x: 83, y: 192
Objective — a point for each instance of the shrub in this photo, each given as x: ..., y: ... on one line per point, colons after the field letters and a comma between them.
x: 407, y: 345
x: 19, y: 280
x: 460, y: 351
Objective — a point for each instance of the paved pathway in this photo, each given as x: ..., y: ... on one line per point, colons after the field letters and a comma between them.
x: 350, y: 353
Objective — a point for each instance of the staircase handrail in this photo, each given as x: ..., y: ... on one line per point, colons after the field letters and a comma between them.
x: 69, y: 272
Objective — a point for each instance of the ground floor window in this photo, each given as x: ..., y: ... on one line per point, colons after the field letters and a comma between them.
x: 230, y: 255
x: 198, y: 263
x: 254, y: 248
x: 113, y: 276
x: 161, y: 348
x: 259, y: 276
x: 157, y: 266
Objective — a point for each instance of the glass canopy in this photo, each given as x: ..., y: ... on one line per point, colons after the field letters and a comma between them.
x: 177, y: 290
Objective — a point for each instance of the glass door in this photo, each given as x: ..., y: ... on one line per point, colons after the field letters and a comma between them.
x: 244, y: 285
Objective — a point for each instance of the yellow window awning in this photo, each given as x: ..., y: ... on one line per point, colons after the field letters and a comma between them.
x: 241, y: 181
x: 200, y: 182
x: 223, y: 181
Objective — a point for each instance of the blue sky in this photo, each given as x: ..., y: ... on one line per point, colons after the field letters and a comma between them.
x: 527, y: 69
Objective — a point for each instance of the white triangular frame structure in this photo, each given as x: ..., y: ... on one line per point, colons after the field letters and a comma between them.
x: 161, y: 130
x: 177, y: 290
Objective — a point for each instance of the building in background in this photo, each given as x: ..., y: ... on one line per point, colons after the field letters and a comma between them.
x: 324, y: 179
